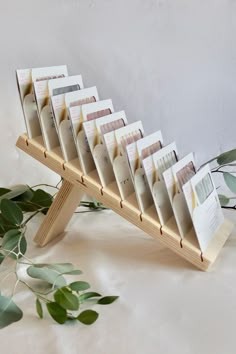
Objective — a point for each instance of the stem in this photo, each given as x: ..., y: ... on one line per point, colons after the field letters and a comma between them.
x: 31, y: 216
x: 15, y: 286
x: 214, y: 158
x: 87, y: 211
x: 29, y: 260
x: 218, y: 171
x: 45, y: 185
x: 59, y: 182
x: 33, y: 291
x: 229, y: 207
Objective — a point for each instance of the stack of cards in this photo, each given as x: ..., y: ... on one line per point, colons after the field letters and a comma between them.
x: 33, y: 89
x: 175, y: 178
x: 72, y: 118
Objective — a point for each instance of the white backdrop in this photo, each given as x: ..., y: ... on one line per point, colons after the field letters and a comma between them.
x: 170, y: 63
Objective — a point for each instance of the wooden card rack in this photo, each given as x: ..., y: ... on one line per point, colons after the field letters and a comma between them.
x: 75, y: 184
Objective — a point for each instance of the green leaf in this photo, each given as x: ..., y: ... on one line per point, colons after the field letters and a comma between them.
x: 224, y: 200
x: 227, y: 157
x: 11, y: 212
x: 5, y: 225
x: 2, y: 257
x: 87, y: 317
x: 15, y: 192
x: 79, y: 286
x: 9, y: 312
x: 39, y: 308
x: 57, y: 312
x: 26, y: 196
x: 59, y: 267
x: 46, y: 274
x: 66, y: 299
x: 106, y: 300
x: 15, y: 242
x: 88, y: 295
x: 4, y: 191
x: 42, y: 198
x: 28, y: 207
x: 230, y: 181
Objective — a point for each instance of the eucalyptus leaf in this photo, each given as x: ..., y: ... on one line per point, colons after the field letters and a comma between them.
x: 14, y: 241
x: 230, y: 181
x: 42, y: 198
x: 11, y: 212
x: 106, y: 300
x: 224, y: 200
x: 26, y: 196
x: 14, y: 192
x: 66, y: 299
x: 88, y: 317
x: 5, y: 225
x: 89, y: 295
x: 2, y: 257
x: 227, y: 157
x: 46, y: 274
x: 57, y: 312
x: 4, y: 191
x: 79, y: 286
x: 59, y: 267
x: 9, y: 312
x: 27, y: 207
x: 39, y: 308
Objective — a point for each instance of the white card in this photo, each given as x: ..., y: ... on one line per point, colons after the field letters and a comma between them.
x: 74, y: 101
x: 52, y: 114
x: 125, y: 136
x: 163, y: 159
x: 90, y: 112
x: 175, y: 177
x: 109, y: 138
x: 29, y: 107
x: 60, y: 114
x: 93, y: 130
x: 204, y: 206
x: 136, y: 152
x: 40, y: 78
x: 57, y: 89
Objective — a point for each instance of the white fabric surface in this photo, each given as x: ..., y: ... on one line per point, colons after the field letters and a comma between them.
x: 166, y: 306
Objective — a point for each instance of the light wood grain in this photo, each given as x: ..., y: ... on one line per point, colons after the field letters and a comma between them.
x: 187, y: 248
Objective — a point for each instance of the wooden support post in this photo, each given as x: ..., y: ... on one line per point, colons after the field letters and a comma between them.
x: 59, y: 214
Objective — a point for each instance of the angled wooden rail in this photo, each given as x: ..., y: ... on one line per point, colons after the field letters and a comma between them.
x: 76, y: 184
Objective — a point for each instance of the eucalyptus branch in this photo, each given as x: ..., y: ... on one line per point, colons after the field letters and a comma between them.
x: 62, y: 299
x: 45, y: 185
x: 32, y: 216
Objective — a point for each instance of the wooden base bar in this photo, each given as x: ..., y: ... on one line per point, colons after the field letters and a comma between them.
x: 76, y: 184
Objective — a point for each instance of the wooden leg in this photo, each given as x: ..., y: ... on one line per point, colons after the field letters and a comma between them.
x: 59, y: 214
